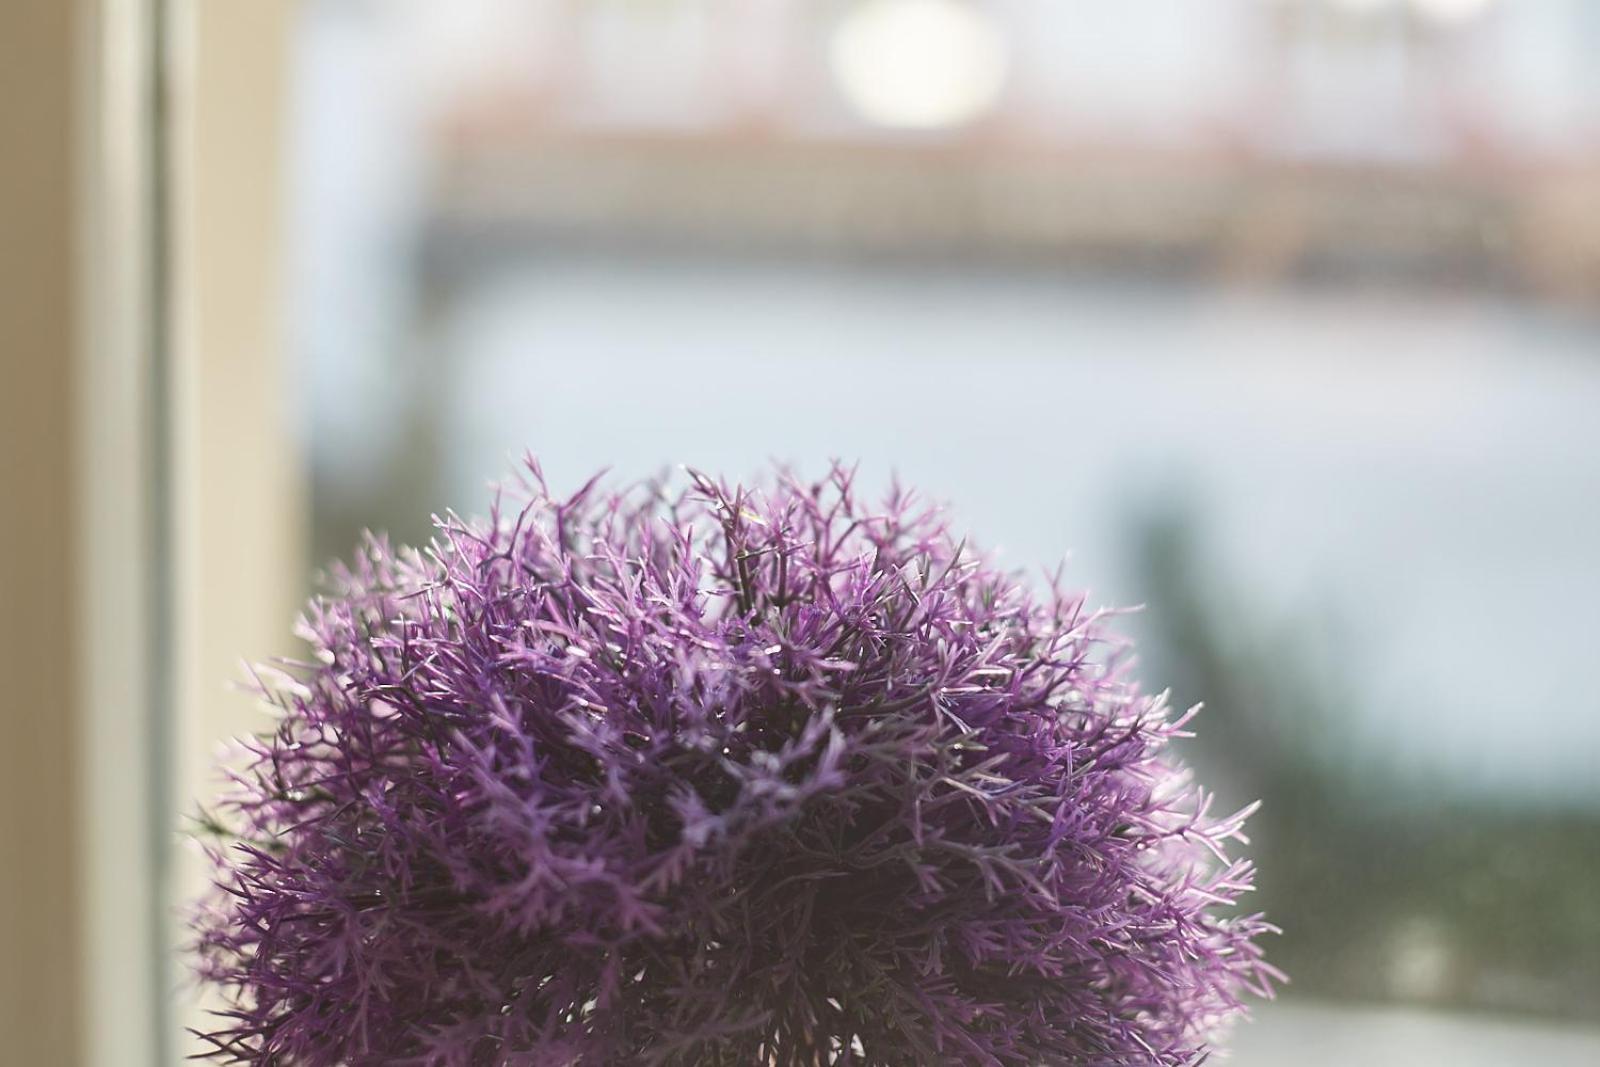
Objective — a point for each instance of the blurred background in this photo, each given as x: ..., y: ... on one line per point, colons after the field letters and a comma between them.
x: 1280, y: 318
x: 1275, y: 317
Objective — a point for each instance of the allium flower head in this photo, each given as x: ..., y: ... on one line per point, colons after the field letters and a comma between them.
x: 722, y: 777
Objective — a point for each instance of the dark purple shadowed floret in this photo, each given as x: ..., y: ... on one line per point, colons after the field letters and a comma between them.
x: 725, y: 777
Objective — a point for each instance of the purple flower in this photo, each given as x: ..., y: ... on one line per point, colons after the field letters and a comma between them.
x: 730, y: 777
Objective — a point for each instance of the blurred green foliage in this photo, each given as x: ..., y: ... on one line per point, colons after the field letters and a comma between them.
x: 1389, y: 885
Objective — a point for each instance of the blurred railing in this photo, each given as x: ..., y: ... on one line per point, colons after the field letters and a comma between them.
x: 1442, y: 141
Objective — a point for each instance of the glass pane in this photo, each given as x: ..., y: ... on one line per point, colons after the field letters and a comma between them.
x: 1277, y: 316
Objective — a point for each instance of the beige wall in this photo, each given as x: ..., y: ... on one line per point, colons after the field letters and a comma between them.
x: 39, y: 1005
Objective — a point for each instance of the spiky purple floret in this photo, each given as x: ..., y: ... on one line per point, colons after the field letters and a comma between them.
x: 725, y: 778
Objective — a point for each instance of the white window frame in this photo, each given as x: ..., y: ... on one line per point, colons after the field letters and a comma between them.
x: 186, y: 488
